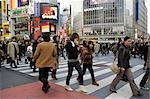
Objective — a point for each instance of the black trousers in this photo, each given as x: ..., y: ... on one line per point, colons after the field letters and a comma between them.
x: 13, y: 62
x: 30, y: 60
x: 90, y: 68
x: 145, y: 78
x: 43, y: 75
x: 71, y: 65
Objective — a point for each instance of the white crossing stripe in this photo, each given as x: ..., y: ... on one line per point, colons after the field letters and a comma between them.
x: 125, y: 92
x: 65, y: 74
x: 86, y: 76
x: 107, y: 81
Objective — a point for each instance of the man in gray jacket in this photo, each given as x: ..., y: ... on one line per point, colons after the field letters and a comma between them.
x: 145, y: 77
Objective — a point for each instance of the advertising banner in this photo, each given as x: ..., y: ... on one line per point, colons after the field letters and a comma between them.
x: 37, y: 9
x: 6, y: 32
x: 49, y: 13
x: 31, y: 7
x: 36, y: 22
x: 21, y: 11
x: 45, y: 27
x: 14, y: 4
x: 4, y: 10
x: 23, y: 2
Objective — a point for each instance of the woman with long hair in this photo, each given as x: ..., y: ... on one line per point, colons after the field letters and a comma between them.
x: 87, y: 60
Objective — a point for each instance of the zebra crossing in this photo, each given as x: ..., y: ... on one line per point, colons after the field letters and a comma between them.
x: 103, y: 75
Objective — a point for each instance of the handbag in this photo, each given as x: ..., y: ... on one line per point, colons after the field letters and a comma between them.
x: 114, y: 67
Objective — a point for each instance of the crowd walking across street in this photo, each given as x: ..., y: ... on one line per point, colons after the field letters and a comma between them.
x: 44, y: 55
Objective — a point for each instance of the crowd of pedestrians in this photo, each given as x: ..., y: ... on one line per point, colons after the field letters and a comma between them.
x: 44, y: 54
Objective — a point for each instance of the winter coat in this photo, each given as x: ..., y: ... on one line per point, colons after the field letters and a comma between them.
x: 124, y: 57
x: 13, y: 50
x: 45, y: 55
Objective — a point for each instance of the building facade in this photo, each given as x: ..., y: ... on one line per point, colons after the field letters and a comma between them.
x: 141, y: 19
x: 78, y: 23
x: 0, y: 15
x: 109, y: 20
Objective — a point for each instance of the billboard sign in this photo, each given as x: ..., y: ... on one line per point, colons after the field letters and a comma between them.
x: 31, y: 7
x: 24, y: 2
x: 22, y: 11
x: 4, y: 10
x: 37, y: 9
x: 50, y: 13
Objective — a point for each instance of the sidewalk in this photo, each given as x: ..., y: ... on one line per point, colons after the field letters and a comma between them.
x: 29, y: 88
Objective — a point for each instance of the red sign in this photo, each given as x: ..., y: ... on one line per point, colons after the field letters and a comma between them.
x: 36, y: 27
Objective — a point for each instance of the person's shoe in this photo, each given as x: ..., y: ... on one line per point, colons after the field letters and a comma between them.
x: 144, y: 88
x: 45, y: 89
x: 68, y: 88
x: 11, y: 66
x: 95, y: 83
x: 55, y: 78
x: 113, y: 91
x: 17, y: 63
x: 78, y: 80
x: 138, y: 95
x: 82, y: 89
x: 34, y: 70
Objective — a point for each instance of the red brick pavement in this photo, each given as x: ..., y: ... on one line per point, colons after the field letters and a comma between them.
x: 33, y: 91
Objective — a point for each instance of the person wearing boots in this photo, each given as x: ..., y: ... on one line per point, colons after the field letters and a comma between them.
x: 73, y: 62
x: 45, y: 61
x: 87, y: 60
x: 13, y: 51
x: 124, y: 65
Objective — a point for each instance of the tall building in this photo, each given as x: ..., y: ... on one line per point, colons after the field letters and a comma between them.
x: 108, y: 20
x: 141, y: 18
x: 78, y: 23
x: 0, y: 15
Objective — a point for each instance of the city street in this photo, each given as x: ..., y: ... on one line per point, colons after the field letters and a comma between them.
x: 47, y: 45
x: 22, y: 79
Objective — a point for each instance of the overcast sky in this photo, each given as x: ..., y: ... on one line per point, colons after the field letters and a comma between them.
x: 77, y: 3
